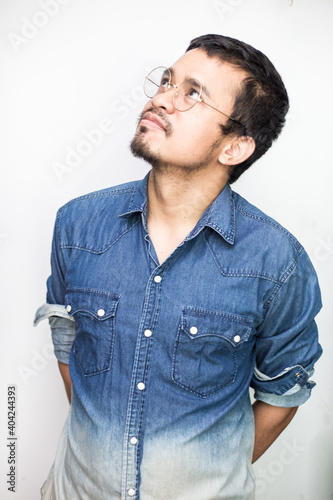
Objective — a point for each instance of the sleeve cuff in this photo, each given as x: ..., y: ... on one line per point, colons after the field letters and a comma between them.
x: 48, y: 310
x: 285, y: 400
x: 62, y: 328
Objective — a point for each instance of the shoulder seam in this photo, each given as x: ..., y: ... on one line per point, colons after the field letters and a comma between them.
x: 99, y: 194
x: 267, y: 220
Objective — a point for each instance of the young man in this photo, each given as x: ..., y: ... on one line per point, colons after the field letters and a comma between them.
x: 180, y: 296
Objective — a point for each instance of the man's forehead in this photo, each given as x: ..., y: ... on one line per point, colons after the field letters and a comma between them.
x: 195, y: 60
x: 209, y: 70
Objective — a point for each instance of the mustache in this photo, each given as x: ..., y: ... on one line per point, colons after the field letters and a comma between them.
x: 166, y: 123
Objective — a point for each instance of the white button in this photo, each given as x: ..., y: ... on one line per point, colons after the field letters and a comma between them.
x: 133, y: 440
x: 157, y: 279
x: 100, y: 312
x: 141, y: 386
x: 69, y: 308
x: 237, y: 338
x: 148, y: 333
x: 193, y: 330
x: 131, y: 492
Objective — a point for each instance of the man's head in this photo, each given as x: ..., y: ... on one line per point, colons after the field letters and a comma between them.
x: 246, y: 107
x: 262, y: 101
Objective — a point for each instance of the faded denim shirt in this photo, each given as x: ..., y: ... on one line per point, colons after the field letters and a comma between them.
x: 161, y: 357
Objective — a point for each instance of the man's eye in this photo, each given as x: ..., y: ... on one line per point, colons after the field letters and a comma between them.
x: 164, y: 82
x: 193, y: 94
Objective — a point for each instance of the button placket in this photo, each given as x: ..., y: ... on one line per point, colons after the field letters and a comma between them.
x: 140, y: 371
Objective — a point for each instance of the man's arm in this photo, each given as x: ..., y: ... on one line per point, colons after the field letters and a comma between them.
x: 64, y: 371
x: 270, y: 421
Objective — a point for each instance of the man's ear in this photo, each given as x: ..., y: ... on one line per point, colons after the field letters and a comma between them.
x: 236, y: 150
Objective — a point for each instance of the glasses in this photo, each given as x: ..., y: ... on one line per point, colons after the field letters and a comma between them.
x: 186, y: 95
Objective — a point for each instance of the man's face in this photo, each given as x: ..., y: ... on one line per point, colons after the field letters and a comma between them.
x: 190, y: 139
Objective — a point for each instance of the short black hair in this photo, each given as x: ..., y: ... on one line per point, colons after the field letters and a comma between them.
x: 262, y: 102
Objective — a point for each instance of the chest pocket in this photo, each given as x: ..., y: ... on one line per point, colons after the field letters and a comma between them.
x: 207, y: 348
x: 94, y: 313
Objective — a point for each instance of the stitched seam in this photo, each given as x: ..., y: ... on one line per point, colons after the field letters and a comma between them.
x: 203, y: 312
x: 97, y: 252
x: 239, y: 274
x: 99, y: 194
x: 297, y: 246
x: 276, y: 289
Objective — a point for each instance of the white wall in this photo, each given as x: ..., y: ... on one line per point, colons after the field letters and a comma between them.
x: 85, y: 63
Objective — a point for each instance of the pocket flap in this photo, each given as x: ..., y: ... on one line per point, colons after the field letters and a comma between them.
x: 101, y: 305
x: 198, y: 322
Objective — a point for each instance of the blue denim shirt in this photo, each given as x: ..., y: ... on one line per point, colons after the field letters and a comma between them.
x: 164, y: 355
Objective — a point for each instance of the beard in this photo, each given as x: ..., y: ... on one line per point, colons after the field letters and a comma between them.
x: 140, y: 149
x: 139, y: 146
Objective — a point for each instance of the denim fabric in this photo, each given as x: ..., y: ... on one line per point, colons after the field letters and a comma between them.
x: 164, y: 355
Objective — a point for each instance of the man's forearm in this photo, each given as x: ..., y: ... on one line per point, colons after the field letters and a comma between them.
x: 64, y: 370
x: 270, y: 421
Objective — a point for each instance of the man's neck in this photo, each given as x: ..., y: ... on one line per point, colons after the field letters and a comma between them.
x: 176, y: 201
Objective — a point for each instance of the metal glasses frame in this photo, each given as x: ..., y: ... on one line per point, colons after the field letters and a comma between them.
x: 176, y: 87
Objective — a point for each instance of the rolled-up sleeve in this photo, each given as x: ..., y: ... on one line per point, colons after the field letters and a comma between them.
x: 62, y: 329
x: 62, y: 325
x: 287, y: 340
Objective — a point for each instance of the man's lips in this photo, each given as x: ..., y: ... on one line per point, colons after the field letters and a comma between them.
x: 152, y: 120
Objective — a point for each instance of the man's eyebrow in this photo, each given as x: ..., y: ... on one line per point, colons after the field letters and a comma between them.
x: 194, y: 80
x: 172, y: 71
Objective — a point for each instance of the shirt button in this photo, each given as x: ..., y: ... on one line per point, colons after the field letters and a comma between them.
x: 157, y: 279
x: 100, y: 312
x: 141, y: 386
x: 131, y: 492
x: 68, y: 308
x: 237, y: 339
x: 133, y: 440
x: 298, y: 374
x: 193, y: 330
x: 147, y: 333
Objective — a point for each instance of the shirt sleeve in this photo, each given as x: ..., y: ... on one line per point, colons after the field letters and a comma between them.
x: 287, y: 340
x: 62, y: 325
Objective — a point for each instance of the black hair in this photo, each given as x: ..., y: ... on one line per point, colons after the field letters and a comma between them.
x: 261, y: 103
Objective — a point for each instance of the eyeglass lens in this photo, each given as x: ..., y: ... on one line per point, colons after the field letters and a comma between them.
x: 186, y: 95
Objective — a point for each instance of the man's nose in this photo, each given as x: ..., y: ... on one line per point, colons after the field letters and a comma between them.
x: 165, y: 100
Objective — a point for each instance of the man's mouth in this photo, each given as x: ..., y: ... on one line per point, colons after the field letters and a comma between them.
x: 152, y: 120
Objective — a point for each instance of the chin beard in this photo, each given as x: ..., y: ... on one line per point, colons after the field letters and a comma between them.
x: 140, y: 149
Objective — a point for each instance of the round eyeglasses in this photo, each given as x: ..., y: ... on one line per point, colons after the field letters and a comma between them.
x: 186, y: 95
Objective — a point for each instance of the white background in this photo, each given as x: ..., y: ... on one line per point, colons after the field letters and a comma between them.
x: 84, y: 64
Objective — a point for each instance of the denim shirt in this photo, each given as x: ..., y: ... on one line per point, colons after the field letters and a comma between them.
x: 164, y: 355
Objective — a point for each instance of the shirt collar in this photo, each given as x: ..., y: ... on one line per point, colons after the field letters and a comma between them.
x: 220, y: 215
x: 138, y: 202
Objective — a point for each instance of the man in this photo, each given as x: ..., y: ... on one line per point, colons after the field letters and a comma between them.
x: 180, y: 296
